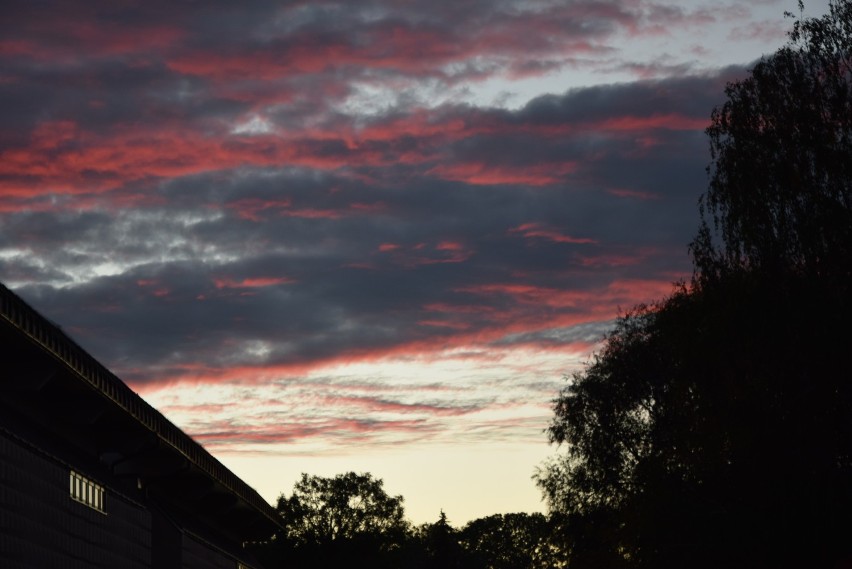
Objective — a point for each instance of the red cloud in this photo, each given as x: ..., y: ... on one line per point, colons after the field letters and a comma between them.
x: 609, y: 260
x: 251, y: 208
x: 423, y: 254
x: 67, y: 40
x: 255, y: 209
x: 572, y: 306
x: 396, y: 46
x: 65, y: 159
x: 223, y: 433
x: 628, y: 193
x: 259, y: 282
x: 670, y: 121
x: 480, y: 173
x: 157, y: 289
x: 62, y: 157
x: 418, y: 49
x: 445, y: 324
x: 535, y: 230
x: 385, y: 406
x: 449, y: 246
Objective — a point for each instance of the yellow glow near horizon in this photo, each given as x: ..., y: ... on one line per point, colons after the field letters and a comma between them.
x: 466, y: 482
x: 446, y: 431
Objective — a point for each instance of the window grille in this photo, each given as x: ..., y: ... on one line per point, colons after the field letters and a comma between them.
x: 87, y: 492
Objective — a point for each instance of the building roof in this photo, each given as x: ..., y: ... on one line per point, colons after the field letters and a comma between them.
x: 53, y: 375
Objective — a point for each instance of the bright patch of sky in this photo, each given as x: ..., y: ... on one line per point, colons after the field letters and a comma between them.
x: 465, y: 481
x: 456, y: 413
x: 253, y: 125
x: 711, y: 36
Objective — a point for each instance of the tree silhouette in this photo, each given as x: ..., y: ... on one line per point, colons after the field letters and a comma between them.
x: 438, y: 546
x: 349, y: 520
x: 713, y: 429
x: 780, y: 189
x: 329, y: 522
x: 511, y: 541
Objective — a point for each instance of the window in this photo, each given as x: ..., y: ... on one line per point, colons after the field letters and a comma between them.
x: 87, y: 492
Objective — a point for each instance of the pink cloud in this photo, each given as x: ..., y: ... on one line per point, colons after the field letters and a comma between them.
x: 154, y: 287
x: 419, y: 49
x: 582, y: 305
x: 385, y: 406
x: 537, y: 231
x: 223, y: 433
x: 424, y: 254
x: 258, y: 282
x: 609, y: 260
x: 251, y: 208
x: 445, y: 324
x: 480, y: 173
x: 670, y: 121
x: 68, y: 40
x: 63, y: 157
x: 636, y: 194
x: 449, y: 246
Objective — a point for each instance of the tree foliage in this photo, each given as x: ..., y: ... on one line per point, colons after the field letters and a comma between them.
x: 347, y: 506
x: 500, y: 541
x: 713, y: 428
x: 329, y: 521
x: 436, y: 546
x: 512, y: 541
x: 349, y: 520
x: 780, y: 188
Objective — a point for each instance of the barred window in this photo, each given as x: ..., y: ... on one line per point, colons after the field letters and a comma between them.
x: 87, y: 492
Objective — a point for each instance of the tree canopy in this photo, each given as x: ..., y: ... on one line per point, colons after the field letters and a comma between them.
x: 780, y: 189
x: 329, y: 521
x: 349, y: 520
x: 511, y: 541
x: 713, y: 427
x: 347, y: 506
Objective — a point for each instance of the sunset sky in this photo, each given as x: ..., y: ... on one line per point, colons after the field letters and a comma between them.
x: 373, y: 236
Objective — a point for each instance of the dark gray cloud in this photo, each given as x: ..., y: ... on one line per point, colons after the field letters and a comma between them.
x: 483, y: 229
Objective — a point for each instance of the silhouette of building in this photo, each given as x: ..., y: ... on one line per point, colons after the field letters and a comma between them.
x: 92, y: 476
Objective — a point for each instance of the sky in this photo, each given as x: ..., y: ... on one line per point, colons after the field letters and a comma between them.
x: 369, y: 236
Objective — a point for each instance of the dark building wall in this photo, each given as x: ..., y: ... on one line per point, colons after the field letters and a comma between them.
x: 176, y: 547
x: 199, y: 555
x: 167, y: 503
x: 41, y: 527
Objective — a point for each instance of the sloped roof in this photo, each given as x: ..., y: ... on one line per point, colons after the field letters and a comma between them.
x: 167, y: 452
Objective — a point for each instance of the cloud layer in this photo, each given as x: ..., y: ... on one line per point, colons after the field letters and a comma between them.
x: 372, y: 223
